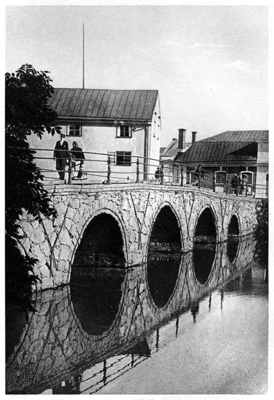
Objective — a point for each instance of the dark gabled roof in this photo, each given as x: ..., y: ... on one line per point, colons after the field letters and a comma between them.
x: 239, y: 136
x: 171, y: 149
x: 104, y: 104
x: 210, y: 152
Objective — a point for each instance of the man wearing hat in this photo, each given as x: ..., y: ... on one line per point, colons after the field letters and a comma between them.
x: 61, y: 154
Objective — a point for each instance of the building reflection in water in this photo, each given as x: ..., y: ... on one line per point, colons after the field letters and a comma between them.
x: 78, y: 343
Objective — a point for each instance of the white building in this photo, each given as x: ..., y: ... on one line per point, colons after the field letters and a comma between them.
x: 116, y: 125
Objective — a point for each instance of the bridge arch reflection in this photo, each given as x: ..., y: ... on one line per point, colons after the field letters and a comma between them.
x: 98, y: 272
x: 163, y: 255
x: 204, y: 249
x: 162, y: 277
x: 233, y: 238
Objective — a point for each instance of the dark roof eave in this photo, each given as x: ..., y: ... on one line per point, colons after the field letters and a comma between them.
x: 218, y: 163
x: 113, y: 121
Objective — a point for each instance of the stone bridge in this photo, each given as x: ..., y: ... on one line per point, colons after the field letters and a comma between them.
x: 129, y: 217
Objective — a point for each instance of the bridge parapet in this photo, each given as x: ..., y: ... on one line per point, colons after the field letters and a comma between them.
x: 134, y: 207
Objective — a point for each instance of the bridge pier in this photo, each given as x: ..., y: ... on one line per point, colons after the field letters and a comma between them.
x: 134, y: 209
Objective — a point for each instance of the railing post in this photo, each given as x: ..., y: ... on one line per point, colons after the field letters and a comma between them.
x: 69, y: 171
x: 137, y: 170
x: 181, y: 175
x: 109, y: 170
x: 161, y: 174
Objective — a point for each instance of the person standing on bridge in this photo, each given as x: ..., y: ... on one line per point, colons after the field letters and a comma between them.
x: 159, y: 174
x: 77, y: 157
x: 61, y: 155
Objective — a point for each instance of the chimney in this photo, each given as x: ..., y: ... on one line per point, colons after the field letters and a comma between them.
x: 194, y: 134
x: 181, y: 139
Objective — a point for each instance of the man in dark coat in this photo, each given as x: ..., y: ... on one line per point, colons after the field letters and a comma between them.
x: 77, y: 157
x: 61, y: 154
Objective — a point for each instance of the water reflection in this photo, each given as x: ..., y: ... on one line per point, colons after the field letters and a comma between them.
x: 203, y: 258
x: 232, y: 247
x: 80, y: 340
x: 162, y: 274
x: 96, y: 303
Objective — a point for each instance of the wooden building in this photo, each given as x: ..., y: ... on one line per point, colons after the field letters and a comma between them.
x: 115, y: 125
x: 217, y: 158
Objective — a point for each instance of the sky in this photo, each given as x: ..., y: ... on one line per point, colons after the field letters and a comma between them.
x: 209, y: 63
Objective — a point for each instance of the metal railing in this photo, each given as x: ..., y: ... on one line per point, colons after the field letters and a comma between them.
x: 106, y: 168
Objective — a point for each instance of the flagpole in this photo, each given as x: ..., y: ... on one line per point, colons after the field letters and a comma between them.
x: 83, y: 56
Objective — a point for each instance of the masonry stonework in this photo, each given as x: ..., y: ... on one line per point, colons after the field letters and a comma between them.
x: 53, y: 242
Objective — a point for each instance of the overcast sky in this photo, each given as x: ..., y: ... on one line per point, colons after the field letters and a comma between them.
x: 209, y: 63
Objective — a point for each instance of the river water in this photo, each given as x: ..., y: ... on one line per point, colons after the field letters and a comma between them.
x: 193, y: 323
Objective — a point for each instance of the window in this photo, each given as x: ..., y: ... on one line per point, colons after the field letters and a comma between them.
x: 247, y: 176
x: 124, y: 131
x: 75, y: 130
x: 220, y: 177
x: 123, y: 157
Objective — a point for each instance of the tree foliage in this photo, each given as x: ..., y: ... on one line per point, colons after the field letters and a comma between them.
x: 261, y: 232
x: 27, y: 112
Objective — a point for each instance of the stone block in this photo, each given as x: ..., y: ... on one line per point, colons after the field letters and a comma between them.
x: 45, y: 248
x: 48, y: 225
x: 64, y: 237
x: 65, y: 253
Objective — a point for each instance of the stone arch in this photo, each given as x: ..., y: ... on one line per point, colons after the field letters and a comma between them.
x: 233, y: 227
x: 164, y: 212
x: 157, y: 212
x: 205, y: 238
x: 207, y: 210
x: 232, y: 235
x: 85, y: 226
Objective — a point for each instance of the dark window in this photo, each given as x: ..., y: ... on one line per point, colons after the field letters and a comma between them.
x: 75, y: 130
x: 124, y: 131
x: 220, y: 177
x: 123, y: 157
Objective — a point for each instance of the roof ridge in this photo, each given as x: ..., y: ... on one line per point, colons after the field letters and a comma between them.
x: 104, y: 89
